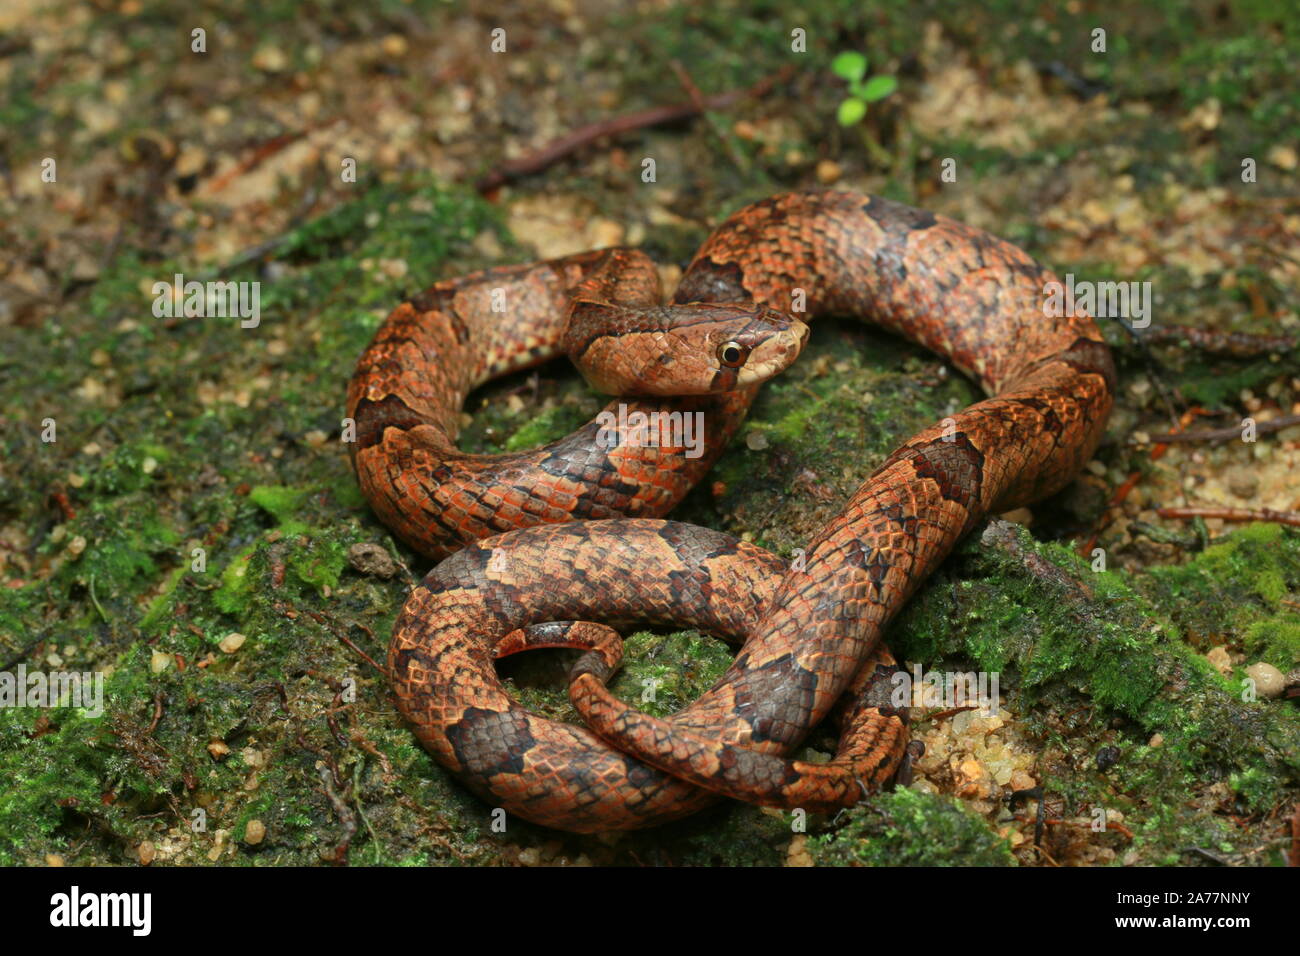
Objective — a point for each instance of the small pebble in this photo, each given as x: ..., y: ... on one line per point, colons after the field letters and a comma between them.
x: 1243, y: 482
x: 973, y: 776
x: 829, y: 171
x: 1283, y: 156
x: 1022, y: 781
x: 797, y: 854
x: 371, y: 559
x: 605, y: 232
x: 146, y: 852
x: 1220, y: 660
x: 254, y: 832
x: 394, y: 45
x: 270, y: 59
x: 1107, y: 757
x: 232, y: 642
x: 1269, y: 681
x: 219, y: 845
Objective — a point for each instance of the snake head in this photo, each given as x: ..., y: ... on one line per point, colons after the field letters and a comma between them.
x: 696, y: 349
x: 747, y: 346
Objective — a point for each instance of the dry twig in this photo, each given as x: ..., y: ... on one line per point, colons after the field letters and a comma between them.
x: 573, y: 141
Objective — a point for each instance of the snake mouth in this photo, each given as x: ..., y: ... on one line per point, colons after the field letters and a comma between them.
x: 773, y: 354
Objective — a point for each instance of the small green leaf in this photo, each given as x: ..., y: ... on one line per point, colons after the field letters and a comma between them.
x: 851, y: 111
x: 877, y: 88
x: 849, y: 66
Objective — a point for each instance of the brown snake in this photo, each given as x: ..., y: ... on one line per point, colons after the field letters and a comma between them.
x: 811, y: 636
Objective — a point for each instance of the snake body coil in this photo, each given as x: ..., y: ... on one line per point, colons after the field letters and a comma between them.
x: 811, y: 636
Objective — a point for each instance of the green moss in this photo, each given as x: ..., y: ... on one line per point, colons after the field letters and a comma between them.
x: 553, y: 422
x: 1099, y: 641
x: 908, y: 828
x: 1275, y: 640
x: 129, y: 468
x: 233, y: 594
x: 126, y: 541
x: 727, y: 836
x: 1221, y: 593
x: 1213, y: 385
x: 159, y: 606
x: 1169, y: 833
x: 45, y: 778
x: 661, y: 673
x: 278, y: 501
x: 317, y: 560
x: 665, y: 673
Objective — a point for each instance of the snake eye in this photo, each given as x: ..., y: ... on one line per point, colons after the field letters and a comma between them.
x: 732, y: 354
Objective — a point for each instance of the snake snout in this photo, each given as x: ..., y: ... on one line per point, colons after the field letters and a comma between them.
x: 790, y: 343
x: 803, y: 330
x: 775, y: 350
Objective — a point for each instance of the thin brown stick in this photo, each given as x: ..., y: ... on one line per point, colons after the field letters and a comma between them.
x: 1229, y: 433
x: 697, y: 98
x: 945, y: 714
x: 1233, y: 514
x: 688, y: 84
x: 260, y: 154
x: 571, y: 142
x: 157, y: 713
x: 1043, y: 853
x: 27, y: 649
x: 1242, y: 345
x: 328, y: 621
x: 348, y: 820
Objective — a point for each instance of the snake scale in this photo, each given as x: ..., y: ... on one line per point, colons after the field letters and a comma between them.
x: 521, y: 572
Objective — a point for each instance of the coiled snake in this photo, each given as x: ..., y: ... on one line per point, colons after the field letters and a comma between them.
x: 811, y: 635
